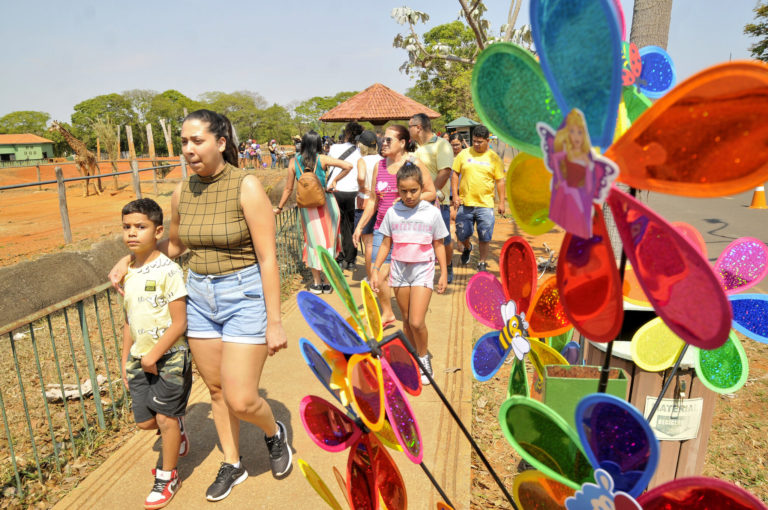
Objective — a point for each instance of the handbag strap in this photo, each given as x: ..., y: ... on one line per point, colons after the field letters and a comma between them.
x: 344, y: 155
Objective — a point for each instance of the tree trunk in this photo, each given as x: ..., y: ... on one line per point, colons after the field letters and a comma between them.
x: 650, y: 23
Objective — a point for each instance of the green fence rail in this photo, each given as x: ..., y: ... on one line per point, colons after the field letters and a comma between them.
x: 74, y: 348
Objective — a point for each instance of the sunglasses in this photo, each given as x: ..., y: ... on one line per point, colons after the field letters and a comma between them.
x: 388, y: 140
x: 371, y: 472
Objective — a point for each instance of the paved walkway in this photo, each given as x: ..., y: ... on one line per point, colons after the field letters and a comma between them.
x: 124, y: 480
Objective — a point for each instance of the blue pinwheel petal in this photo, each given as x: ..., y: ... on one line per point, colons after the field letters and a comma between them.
x: 579, y: 44
x: 658, y: 75
x: 617, y: 438
x: 571, y: 352
x: 318, y: 365
x: 488, y: 355
x: 329, y: 325
x: 750, y: 315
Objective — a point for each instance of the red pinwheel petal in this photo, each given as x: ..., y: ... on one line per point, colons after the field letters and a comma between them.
x: 589, y: 284
x: 328, y: 427
x: 361, y: 481
x: 517, y: 266
x: 547, y: 317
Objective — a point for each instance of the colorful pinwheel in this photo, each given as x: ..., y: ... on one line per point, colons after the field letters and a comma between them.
x: 516, y: 310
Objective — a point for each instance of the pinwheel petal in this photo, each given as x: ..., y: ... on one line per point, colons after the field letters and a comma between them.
x: 484, y: 296
x: 658, y: 75
x: 750, y: 315
x: 517, y: 267
x: 389, y: 481
x: 339, y: 283
x: 699, y: 492
x: 401, y: 415
x: 725, y: 369
x: 692, y: 235
x: 742, y: 264
x: 318, y: 484
x: 579, y: 44
x: 704, y: 138
x: 361, y: 479
x: 617, y: 439
x: 534, y: 489
x: 589, y: 283
x: 547, y: 317
x: 518, y: 380
x: 545, y: 440
x: 329, y: 428
x: 677, y: 280
x: 529, y: 193
x: 506, y: 78
x: 655, y: 347
x: 329, y: 325
x: 488, y: 355
x: 371, y: 309
x: 319, y: 366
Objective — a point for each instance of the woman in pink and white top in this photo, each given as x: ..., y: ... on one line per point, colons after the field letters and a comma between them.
x: 397, y: 148
x: 415, y: 230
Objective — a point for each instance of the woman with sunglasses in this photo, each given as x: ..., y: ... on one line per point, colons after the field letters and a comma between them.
x: 396, y: 148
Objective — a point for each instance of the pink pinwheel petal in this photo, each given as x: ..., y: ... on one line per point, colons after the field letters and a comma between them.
x: 742, y: 264
x: 676, y: 278
x: 485, y: 296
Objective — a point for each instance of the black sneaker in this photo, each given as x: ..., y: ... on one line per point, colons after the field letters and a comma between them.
x: 351, y: 266
x: 450, y: 273
x: 279, y: 451
x: 316, y: 288
x: 465, y: 255
x: 327, y: 289
x: 482, y: 266
x: 228, y: 477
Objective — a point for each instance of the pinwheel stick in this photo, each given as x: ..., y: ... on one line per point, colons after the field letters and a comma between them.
x: 399, y: 334
x: 435, y: 484
x: 666, y: 384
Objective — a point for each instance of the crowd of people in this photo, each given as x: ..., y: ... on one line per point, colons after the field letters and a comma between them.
x: 394, y: 194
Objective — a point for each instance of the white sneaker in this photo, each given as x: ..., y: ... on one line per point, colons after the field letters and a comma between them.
x: 427, y: 364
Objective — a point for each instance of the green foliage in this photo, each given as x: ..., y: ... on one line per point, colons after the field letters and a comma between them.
x: 759, y: 30
x: 169, y: 106
x: 241, y: 108
x: 307, y: 113
x: 25, y: 122
x: 113, y: 106
x: 273, y: 122
x: 141, y: 102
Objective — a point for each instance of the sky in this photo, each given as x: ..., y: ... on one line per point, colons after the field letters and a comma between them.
x: 58, y: 54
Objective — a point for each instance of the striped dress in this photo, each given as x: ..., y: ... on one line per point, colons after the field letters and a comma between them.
x: 320, y: 224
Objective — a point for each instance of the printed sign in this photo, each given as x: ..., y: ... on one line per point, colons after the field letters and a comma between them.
x: 675, y: 419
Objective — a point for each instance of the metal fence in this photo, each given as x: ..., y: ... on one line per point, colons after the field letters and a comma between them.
x: 73, y: 349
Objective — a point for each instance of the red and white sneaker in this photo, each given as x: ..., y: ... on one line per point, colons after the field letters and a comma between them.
x: 163, y: 490
x: 184, y: 446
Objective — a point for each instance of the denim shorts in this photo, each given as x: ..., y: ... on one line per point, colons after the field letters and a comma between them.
x: 368, y: 228
x: 378, y: 237
x: 467, y: 217
x: 412, y: 274
x: 230, y: 307
x: 445, y: 212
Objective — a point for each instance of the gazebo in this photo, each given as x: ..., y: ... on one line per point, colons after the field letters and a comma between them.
x: 378, y: 105
x: 463, y: 126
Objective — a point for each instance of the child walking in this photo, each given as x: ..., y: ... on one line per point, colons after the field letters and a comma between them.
x: 155, y: 362
x: 415, y: 230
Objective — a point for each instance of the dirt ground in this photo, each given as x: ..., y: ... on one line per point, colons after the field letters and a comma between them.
x: 31, y: 225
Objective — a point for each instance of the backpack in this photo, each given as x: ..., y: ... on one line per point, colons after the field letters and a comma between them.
x: 309, y: 192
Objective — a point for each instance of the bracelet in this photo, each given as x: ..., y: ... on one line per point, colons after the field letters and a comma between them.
x: 279, y: 207
x: 376, y: 268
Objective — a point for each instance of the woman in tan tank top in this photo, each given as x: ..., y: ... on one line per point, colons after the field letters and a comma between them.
x: 222, y: 214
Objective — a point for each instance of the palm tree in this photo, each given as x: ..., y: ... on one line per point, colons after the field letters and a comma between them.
x: 650, y: 23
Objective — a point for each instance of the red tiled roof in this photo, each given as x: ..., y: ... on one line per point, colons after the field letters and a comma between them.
x: 25, y: 138
x: 377, y: 103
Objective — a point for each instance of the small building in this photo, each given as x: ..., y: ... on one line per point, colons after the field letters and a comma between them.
x: 463, y: 126
x: 25, y: 146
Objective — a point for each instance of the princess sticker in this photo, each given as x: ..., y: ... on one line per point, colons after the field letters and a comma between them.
x: 579, y: 176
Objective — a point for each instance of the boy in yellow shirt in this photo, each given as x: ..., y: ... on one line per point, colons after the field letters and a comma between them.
x: 156, y: 361
x: 481, y: 170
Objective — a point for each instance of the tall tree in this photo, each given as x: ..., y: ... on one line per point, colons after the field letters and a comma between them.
x: 114, y: 106
x: 240, y: 107
x: 650, y: 23
x: 307, y: 114
x: 141, y: 102
x: 24, y: 121
x: 273, y: 122
x: 169, y: 106
x: 759, y: 29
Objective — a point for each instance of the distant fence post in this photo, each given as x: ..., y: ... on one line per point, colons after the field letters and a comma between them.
x: 183, y: 167
x: 63, y: 205
x: 136, y: 181
x: 39, y: 186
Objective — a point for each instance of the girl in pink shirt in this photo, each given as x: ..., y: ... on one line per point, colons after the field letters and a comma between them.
x: 415, y: 230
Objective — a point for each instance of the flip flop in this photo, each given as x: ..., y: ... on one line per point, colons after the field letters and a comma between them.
x: 389, y: 323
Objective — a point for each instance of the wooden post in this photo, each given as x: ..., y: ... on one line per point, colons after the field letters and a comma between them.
x: 118, y: 141
x: 167, y: 135
x: 151, y: 144
x: 39, y: 186
x: 129, y: 135
x: 183, y: 167
x: 185, y: 112
x: 63, y: 205
x: 98, y: 148
x: 136, y: 180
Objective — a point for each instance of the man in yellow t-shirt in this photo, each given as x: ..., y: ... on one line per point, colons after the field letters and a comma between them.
x: 437, y: 155
x: 480, y: 170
